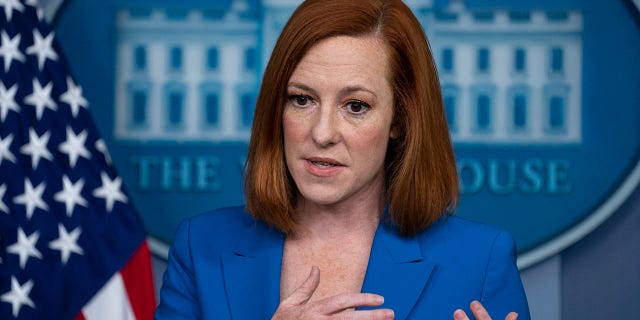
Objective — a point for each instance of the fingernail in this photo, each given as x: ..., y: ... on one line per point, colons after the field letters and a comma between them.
x: 380, y: 299
x: 459, y: 315
x: 389, y: 314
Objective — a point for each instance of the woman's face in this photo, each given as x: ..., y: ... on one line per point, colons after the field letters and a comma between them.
x: 337, y: 121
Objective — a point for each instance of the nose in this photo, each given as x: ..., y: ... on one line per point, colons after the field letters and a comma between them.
x: 325, y: 131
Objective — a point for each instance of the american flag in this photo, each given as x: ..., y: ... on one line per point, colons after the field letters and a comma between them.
x: 71, y: 243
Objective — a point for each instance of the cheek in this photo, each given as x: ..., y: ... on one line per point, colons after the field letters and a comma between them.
x: 288, y: 129
x: 372, y: 142
x: 293, y: 134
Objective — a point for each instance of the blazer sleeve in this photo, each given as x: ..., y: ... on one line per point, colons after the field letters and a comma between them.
x: 178, y: 295
x: 502, y: 291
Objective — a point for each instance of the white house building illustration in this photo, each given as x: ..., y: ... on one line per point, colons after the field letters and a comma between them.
x: 186, y: 75
x: 508, y: 77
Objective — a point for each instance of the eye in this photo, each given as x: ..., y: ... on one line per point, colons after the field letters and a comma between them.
x: 357, y: 107
x: 299, y: 100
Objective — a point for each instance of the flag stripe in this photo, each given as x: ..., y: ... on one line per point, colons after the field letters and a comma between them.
x: 138, y: 281
x: 111, y: 302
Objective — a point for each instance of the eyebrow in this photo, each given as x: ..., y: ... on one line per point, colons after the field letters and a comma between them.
x: 343, y: 91
x: 300, y: 86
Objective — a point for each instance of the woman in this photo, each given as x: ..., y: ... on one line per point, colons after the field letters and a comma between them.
x: 350, y: 179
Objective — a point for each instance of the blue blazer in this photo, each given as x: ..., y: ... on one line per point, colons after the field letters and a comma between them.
x: 225, y: 265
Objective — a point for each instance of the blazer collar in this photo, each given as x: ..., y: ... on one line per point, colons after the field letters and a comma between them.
x: 396, y: 270
x: 252, y: 274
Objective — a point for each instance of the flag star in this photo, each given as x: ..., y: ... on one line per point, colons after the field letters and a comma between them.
x: 67, y: 243
x: 102, y: 147
x: 10, y: 49
x: 41, y: 98
x: 25, y: 247
x: 34, y: 3
x: 7, y: 100
x: 9, y: 6
x: 42, y: 48
x: 110, y: 191
x: 73, y: 97
x: 32, y: 197
x: 70, y: 194
x: 37, y: 147
x: 3, y: 206
x: 18, y: 295
x: 5, y: 150
x: 74, y: 146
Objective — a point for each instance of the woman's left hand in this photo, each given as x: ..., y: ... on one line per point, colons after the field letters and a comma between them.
x: 480, y: 313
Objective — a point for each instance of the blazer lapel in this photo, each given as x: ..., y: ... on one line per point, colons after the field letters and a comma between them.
x: 252, y: 274
x: 396, y: 270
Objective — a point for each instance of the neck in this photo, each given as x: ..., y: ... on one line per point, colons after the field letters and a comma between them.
x: 357, y: 216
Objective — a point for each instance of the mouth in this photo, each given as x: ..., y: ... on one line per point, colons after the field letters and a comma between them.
x: 324, y: 163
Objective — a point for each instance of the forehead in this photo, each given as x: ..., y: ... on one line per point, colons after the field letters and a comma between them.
x: 367, y: 55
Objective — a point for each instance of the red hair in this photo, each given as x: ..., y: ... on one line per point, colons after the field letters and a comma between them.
x: 421, y: 176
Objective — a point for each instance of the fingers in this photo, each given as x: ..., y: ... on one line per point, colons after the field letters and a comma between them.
x: 306, y: 289
x: 341, y: 306
x: 377, y: 314
x: 344, y: 301
x: 479, y: 311
x: 460, y: 315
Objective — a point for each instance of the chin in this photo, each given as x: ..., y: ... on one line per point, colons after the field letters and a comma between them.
x: 319, y: 197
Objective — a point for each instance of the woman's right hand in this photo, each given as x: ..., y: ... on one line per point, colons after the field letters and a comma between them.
x: 340, y: 306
